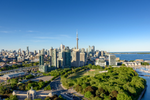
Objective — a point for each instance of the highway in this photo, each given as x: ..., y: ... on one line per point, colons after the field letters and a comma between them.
x: 59, y: 90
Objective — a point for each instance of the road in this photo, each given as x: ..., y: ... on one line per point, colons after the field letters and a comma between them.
x: 59, y: 90
x: 56, y: 88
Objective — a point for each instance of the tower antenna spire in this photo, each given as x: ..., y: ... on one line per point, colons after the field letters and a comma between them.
x: 77, y: 39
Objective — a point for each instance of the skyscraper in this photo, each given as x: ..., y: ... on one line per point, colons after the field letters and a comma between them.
x: 67, y: 58
x: 77, y: 40
x: 112, y: 60
x: 75, y: 58
x: 42, y: 66
x: 93, y: 50
x: 27, y: 52
x: 54, y: 58
x: 83, y: 57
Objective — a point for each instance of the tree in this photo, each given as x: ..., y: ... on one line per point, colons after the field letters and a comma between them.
x: 47, y: 87
x: 13, y: 81
x: 123, y: 96
x: 12, y: 97
x: 88, y: 94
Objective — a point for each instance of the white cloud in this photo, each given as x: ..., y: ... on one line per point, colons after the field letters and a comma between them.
x: 38, y: 40
x: 67, y: 36
x: 4, y: 31
x: 31, y: 31
x: 47, y: 37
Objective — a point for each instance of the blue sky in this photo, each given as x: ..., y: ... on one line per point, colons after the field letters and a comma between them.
x: 111, y: 25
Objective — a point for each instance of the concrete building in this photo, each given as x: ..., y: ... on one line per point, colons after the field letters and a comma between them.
x: 101, y: 62
x: 20, y: 58
x: 132, y: 63
x: 75, y: 58
x: 27, y: 52
x: 42, y: 66
x: 54, y: 58
x: 12, y: 75
x: 83, y: 57
x: 112, y: 60
x: 64, y: 59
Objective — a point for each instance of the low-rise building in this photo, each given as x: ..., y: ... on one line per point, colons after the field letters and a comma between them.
x: 132, y: 63
x: 139, y: 60
x: 101, y: 62
x: 12, y: 75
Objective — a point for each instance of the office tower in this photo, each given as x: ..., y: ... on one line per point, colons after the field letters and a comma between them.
x: 75, y: 58
x: 39, y: 52
x: 19, y: 51
x: 87, y: 53
x: 27, y: 52
x: 67, y: 58
x: 43, y: 52
x: 61, y: 59
x: 77, y: 40
x: 83, y: 57
x: 53, y: 58
x: 50, y: 51
x: 112, y: 60
x: 34, y: 52
x: 42, y: 66
x: 102, y: 53
x: 90, y: 49
x: 23, y: 53
x: 41, y: 58
x: 93, y: 48
x: 61, y: 47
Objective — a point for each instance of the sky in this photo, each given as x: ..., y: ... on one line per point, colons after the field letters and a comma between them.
x: 110, y: 25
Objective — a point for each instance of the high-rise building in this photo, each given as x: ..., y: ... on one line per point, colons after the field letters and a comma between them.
x: 93, y: 49
x: 102, y: 53
x: 83, y: 57
x: 42, y: 66
x: 53, y: 58
x: 61, y: 47
x: 67, y: 58
x: 34, y: 52
x: 112, y: 60
x: 75, y: 58
x: 27, y: 52
x: 90, y: 49
x: 50, y: 51
x: 39, y: 52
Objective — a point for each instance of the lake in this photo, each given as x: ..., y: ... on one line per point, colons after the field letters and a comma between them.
x: 133, y: 56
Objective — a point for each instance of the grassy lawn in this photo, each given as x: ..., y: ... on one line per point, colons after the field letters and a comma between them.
x: 92, y: 73
x: 83, y: 73
x: 77, y: 75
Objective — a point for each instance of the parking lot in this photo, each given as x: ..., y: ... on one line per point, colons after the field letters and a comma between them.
x: 44, y: 78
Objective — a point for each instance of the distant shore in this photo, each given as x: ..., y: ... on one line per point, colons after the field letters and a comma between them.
x: 130, y: 53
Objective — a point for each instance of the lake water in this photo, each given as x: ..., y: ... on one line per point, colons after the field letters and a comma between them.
x: 133, y: 56
x: 139, y: 56
x: 147, y: 93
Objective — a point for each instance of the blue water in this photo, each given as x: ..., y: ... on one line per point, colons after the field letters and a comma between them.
x: 147, y: 93
x: 139, y: 56
x: 133, y: 56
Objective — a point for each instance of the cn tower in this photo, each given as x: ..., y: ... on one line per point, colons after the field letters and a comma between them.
x: 77, y: 40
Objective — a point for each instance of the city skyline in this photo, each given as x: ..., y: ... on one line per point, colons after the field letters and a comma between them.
x: 113, y: 26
